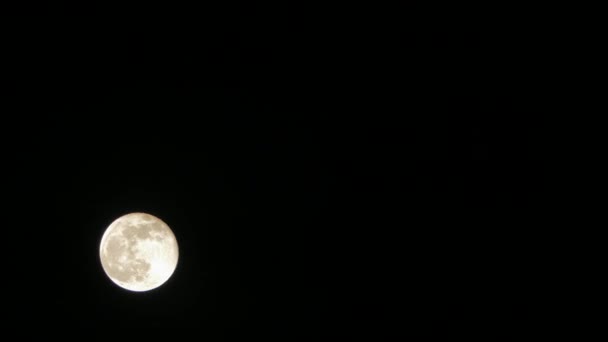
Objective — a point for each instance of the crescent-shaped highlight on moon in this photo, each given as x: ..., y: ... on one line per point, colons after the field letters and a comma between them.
x: 138, y: 252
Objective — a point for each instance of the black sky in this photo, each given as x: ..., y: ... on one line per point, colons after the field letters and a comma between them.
x: 346, y: 184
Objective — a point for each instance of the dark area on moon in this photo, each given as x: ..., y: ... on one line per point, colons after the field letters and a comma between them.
x: 117, y: 248
x: 355, y: 183
x: 123, y: 244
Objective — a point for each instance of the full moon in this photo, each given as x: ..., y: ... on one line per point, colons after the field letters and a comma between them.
x: 138, y: 252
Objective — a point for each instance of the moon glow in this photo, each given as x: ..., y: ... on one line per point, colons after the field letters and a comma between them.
x: 138, y: 252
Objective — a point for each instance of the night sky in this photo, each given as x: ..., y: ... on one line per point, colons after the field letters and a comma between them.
x: 317, y: 191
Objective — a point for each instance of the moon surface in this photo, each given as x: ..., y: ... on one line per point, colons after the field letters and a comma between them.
x: 138, y: 252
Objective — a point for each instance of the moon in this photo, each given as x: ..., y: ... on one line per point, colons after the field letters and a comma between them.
x: 138, y: 252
